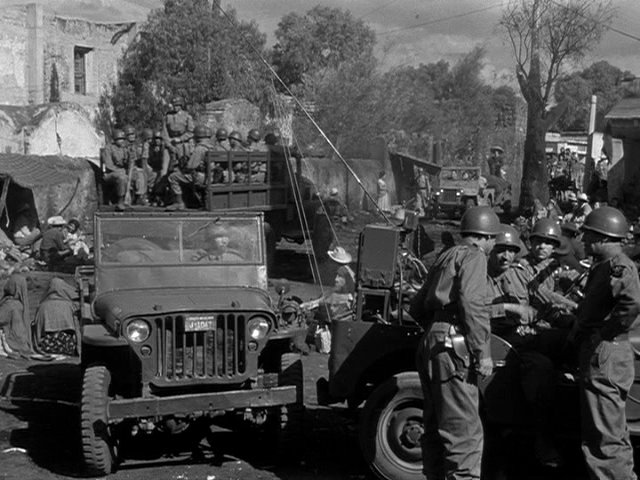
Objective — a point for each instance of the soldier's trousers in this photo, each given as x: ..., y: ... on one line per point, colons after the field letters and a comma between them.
x: 139, y: 181
x: 179, y: 178
x: 453, y: 437
x: 607, y: 375
x: 119, y: 180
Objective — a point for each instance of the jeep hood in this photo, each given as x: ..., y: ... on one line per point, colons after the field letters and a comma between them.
x: 115, y: 306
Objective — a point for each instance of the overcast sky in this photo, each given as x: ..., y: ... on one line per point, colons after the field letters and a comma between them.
x: 453, y: 27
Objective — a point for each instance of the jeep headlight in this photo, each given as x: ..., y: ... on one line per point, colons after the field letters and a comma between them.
x: 138, y: 331
x: 258, y: 327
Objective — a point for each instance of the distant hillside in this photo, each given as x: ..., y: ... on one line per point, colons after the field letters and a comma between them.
x: 95, y: 10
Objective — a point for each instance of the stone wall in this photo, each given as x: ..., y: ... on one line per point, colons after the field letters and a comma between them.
x: 50, y: 129
x: 13, y: 56
x: 33, y: 39
x: 62, y: 35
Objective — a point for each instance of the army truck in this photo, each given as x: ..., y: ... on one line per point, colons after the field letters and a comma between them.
x: 182, y: 333
x: 372, y: 368
x: 269, y: 181
x: 460, y: 188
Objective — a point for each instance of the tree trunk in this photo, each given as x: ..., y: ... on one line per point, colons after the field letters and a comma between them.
x: 535, y: 181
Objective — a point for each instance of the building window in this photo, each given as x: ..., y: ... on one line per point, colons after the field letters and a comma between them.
x: 80, y: 69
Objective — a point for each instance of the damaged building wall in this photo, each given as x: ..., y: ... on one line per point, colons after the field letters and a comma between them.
x: 51, y: 129
x: 84, y: 52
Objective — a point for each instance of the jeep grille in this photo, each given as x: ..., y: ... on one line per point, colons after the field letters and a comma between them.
x: 218, y: 353
x: 448, y: 196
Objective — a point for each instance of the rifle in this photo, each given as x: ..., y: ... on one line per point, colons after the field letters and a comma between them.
x: 127, y: 195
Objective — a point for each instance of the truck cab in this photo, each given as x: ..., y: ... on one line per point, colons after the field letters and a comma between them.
x: 181, y: 330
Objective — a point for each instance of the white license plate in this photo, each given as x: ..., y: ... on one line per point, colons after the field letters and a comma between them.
x: 200, y: 323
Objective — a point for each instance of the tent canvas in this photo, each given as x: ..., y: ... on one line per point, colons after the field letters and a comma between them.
x: 43, y: 186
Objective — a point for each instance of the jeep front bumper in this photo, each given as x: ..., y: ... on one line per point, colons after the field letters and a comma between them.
x: 201, y: 402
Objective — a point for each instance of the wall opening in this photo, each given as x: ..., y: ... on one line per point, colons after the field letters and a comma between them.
x: 80, y: 69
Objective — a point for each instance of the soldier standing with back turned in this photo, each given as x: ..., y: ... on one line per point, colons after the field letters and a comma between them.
x: 605, y: 317
x: 455, y: 348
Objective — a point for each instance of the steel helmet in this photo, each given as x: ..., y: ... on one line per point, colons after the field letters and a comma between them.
x: 157, y: 134
x: 254, y: 134
x: 235, y: 135
x: 221, y: 134
x: 178, y: 101
x: 118, y: 135
x: 147, y: 134
x: 508, y: 237
x: 129, y: 130
x: 481, y: 221
x: 201, y: 131
x: 547, y: 229
x: 607, y: 221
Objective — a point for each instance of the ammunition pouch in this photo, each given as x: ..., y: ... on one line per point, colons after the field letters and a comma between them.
x: 443, y: 335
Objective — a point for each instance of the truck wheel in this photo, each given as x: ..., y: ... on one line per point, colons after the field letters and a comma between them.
x: 391, y: 426
x: 98, y: 446
x: 289, y: 426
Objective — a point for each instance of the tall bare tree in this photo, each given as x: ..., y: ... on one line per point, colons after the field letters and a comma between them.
x: 547, y: 36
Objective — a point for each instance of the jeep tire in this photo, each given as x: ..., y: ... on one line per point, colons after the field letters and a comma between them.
x: 288, y: 424
x: 391, y: 425
x: 98, y: 447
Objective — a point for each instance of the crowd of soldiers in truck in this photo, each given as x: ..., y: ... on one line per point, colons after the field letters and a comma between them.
x: 153, y: 168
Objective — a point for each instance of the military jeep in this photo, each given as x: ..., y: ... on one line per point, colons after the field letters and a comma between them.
x: 461, y: 188
x: 183, y: 333
x: 372, y: 368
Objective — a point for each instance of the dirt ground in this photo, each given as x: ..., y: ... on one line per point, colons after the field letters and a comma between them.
x: 39, y: 418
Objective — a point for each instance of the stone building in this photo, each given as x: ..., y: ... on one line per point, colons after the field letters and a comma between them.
x: 35, y: 41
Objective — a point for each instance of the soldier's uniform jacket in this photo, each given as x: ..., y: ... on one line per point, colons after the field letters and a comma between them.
x: 510, y: 286
x: 542, y: 285
x: 222, y: 146
x: 115, y: 158
x: 611, y: 298
x: 258, y: 147
x: 177, y: 125
x: 135, y: 152
x: 197, y: 158
x: 456, y: 291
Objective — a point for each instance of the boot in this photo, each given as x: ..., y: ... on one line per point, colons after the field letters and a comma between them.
x: 178, y: 204
x: 120, y: 207
x: 142, y: 200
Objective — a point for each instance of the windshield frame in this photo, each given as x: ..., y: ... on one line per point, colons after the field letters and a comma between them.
x: 102, y: 220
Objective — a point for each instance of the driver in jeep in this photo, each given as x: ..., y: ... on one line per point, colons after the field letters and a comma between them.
x: 217, y: 238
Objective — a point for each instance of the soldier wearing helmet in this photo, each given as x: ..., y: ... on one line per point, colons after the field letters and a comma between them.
x: 222, y: 140
x: 511, y: 293
x: 254, y: 142
x: 545, y: 238
x: 452, y: 302
x: 190, y: 173
x: 177, y: 132
x: 137, y: 161
x: 236, y: 143
x: 115, y: 161
x: 610, y: 307
x: 156, y: 181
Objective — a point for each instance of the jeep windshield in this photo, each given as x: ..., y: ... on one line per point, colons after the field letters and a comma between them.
x: 169, y: 241
x: 459, y: 174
